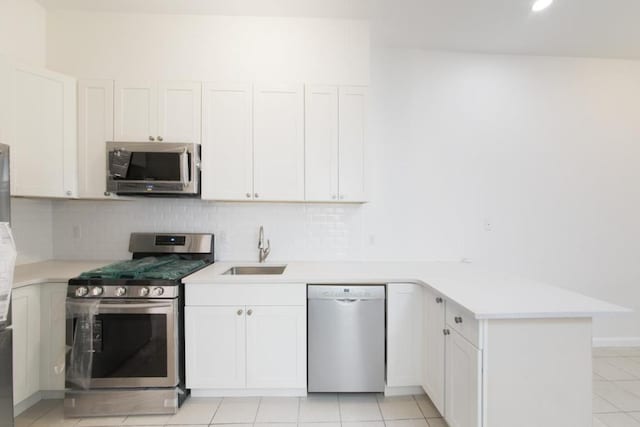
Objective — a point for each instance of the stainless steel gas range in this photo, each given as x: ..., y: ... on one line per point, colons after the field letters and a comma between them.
x: 125, y: 328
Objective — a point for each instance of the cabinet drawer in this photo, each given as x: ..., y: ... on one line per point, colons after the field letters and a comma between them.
x: 462, y: 321
x: 247, y: 294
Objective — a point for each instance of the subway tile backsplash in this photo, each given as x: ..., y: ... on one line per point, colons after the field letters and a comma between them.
x: 100, y: 229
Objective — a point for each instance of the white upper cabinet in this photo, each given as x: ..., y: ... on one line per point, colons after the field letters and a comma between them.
x: 335, y: 132
x: 404, y: 334
x: 136, y: 111
x: 42, y: 134
x: 179, y: 112
x: 227, y: 144
x: 151, y: 111
x: 278, y: 144
x: 95, y: 128
x: 321, y: 143
x: 352, y: 135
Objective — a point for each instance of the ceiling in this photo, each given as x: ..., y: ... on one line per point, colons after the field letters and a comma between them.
x: 596, y: 28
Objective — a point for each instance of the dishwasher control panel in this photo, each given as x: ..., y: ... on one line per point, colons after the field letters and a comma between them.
x: 346, y: 292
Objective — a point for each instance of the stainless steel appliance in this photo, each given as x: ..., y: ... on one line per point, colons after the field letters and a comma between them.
x: 153, y: 169
x: 125, y: 328
x: 6, y: 333
x: 346, y: 348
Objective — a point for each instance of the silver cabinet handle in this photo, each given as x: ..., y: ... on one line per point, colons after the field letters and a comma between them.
x: 334, y: 197
x: 457, y: 319
x: 249, y: 312
x: 446, y: 331
x: 69, y: 192
x: 256, y: 195
x: 151, y: 138
x: 248, y: 195
x: 160, y: 139
x: 342, y: 197
x: 239, y: 312
x: 439, y: 300
x: 107, y: 194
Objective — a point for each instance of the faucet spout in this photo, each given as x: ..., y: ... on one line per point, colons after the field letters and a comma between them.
x: 263, y: 251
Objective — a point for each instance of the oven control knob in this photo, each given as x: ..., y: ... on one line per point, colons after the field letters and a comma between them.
x: 144, y: 291
x: 157, y: 292
x: 82, y: 291
x: 120, y: 291
x: 97, y: 291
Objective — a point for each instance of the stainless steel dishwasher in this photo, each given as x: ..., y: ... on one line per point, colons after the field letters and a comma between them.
x: 346, y: 338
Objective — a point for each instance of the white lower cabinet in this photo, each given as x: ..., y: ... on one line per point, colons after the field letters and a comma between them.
x: 434, y: 349
x: 245, y: 345
x: 216, y: 347
x: 276, y: 347
x: 404, y: 334
x: 25, y: 306
x: 463, y: 382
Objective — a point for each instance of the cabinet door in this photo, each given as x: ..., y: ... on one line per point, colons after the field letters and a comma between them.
x: 321, y: 143
x: 278, y: 143
x: 25, y: 306
x: 352, y: 136
x: 227, y: 146
x: 95, y: 128
x: 215, y: 347
x: 463, y: 370
x: 434, y: 349
x: 53, y: 317
x: 179, y: 112
x: 136, y: 111
x: 404, y: 334
x: 44, y: 146
x: 276, y: 347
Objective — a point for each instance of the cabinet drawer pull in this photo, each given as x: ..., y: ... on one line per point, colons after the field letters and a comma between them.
x: 151, y: 139
x: 239, y: 312
x: 160, y: 139
x: 248, y: 195
x: 457, y: 319
x: 446, y: 331
x: 439, y: 300
x: 249, y: 312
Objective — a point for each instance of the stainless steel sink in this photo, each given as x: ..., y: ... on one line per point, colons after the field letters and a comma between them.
x: 262, y: 269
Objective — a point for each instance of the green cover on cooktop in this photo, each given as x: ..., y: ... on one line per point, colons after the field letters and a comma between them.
x: 166, y: 267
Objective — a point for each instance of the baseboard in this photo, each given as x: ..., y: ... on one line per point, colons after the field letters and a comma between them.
x: 617, y: 342
x: 27, y: 403
x: 403, y: 391
x: 262, y: 392
x: 52, y: 394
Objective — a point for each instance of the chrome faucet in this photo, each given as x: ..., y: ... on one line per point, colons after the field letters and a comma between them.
x: 263, y: 250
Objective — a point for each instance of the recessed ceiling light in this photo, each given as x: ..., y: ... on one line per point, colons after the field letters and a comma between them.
x: 540, y: 5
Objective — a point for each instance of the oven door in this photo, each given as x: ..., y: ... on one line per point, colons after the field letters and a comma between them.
x: 124, y: 343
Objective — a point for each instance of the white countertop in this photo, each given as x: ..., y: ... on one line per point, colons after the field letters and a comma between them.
x: 52, y: 271
x: 486, y: 295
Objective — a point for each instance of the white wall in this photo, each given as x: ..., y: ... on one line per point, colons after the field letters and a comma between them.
x: 23, y: 30
x: 197, y: 47
x: 545, y: 149
x: 32, y: 226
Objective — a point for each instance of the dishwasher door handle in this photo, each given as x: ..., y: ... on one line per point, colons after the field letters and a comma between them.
x: 347, y: 300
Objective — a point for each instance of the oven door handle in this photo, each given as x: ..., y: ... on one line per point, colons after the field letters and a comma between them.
x: 147, y: 307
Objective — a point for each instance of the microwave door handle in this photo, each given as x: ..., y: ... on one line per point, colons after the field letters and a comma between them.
x: 184, y: 168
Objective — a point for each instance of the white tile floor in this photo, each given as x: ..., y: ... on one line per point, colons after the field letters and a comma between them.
x: 616, y: 403
x: 316, y: 410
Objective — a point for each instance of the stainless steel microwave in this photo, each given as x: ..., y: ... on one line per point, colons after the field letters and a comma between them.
x: 153, y: 168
